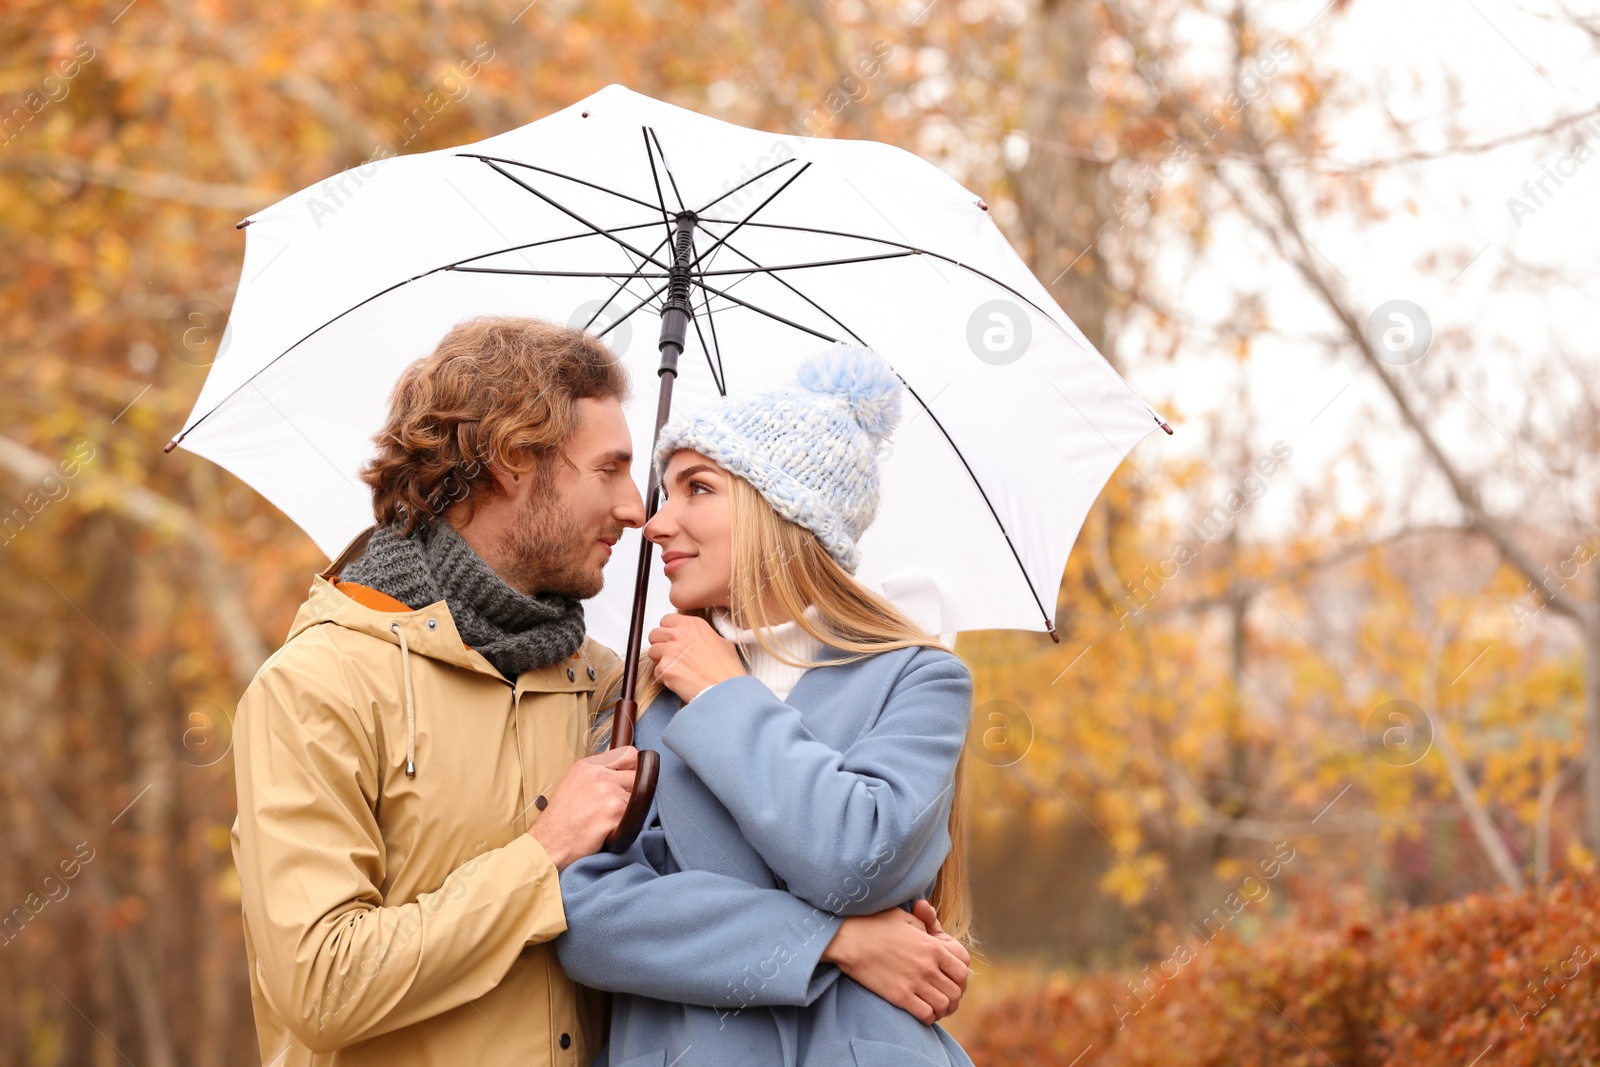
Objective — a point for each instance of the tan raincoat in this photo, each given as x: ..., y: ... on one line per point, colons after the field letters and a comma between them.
x: 398, y: 920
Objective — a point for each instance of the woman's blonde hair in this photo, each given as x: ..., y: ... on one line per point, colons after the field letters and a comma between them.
x: 779, y: 568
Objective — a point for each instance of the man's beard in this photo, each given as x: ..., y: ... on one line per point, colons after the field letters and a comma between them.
x: 545, y: 550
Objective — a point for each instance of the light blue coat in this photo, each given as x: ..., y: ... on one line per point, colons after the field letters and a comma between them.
x: 772, y: 820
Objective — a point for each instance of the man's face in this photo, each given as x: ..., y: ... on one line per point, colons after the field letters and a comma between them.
x: 561, y: 533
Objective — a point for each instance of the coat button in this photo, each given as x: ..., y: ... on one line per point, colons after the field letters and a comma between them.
x: 433, y: 624
x: 540, y: 802
x: 571, y: 674
x: 566, y: 1040
x: 591, y: 674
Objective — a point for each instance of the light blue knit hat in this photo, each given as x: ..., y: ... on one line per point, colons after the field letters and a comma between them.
x: 811, y: 450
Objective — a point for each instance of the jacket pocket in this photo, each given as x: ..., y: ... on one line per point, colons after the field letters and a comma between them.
x: 883, y: 1054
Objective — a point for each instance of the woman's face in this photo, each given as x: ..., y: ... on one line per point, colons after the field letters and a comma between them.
x: 694, y: 531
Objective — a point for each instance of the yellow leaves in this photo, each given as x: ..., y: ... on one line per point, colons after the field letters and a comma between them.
x: 218, y: 837
x: 1156, y: 703
x: 1124, y: 882
x: 227, y: 884
x: 276, y: 63
x: 1130, y: 881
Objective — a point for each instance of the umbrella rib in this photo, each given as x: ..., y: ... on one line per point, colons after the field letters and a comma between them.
x: 235, y: 390
x: 797, y: 292
x: 913, y: 249
x: 741, y: 185
x: 761, y: 310
x: 625, y: 316
x: 662, y: 152
x: 718, y: 371
x: 753, y: 211
x: 710, y: 258
x: 754, y: 268
x: 555, y: 174
x: 656, y: 178
x: 1049, y: 622
x: 625, y: 275
x: 573, y: 214
x: 556, y: 240
x: 757, y: 268
x: 722, y: 389
x: 624, y: 287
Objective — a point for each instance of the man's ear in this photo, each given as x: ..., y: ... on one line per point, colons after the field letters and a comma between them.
x: 509, y: 484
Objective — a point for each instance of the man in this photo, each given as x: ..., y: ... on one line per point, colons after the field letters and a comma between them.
x: 408, y: 763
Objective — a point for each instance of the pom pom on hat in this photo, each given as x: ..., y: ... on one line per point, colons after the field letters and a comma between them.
x: 863, y: 379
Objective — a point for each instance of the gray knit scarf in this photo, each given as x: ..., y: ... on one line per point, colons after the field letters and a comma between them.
x: 513, y: 631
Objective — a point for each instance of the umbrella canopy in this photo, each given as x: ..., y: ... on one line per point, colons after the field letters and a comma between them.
x: 1013, y: 421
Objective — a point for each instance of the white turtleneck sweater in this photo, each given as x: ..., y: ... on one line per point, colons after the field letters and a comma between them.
x: 797, y: 644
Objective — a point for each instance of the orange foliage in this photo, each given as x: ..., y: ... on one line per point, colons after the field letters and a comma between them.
x: 1509, y: 973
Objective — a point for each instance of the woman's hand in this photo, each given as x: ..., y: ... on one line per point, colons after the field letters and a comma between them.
x: 907, y: 959
x: 690, y: 656
x: 930, y: 919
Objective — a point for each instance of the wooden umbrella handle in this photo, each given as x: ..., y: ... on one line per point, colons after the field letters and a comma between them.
x: 644, y: 779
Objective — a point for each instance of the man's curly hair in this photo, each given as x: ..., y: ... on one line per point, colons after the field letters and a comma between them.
x: 498, y: 391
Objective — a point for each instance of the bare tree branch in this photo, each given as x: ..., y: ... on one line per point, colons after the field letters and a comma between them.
x: 1299, y: 253
x: 159, y: 186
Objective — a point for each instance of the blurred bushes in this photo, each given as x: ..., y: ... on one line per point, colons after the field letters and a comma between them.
x: 1512, y: 975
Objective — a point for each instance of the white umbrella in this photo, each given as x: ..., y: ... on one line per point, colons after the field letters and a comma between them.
x: 1013, y: 421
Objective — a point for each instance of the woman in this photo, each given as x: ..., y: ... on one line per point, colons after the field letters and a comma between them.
x: 810, y: 739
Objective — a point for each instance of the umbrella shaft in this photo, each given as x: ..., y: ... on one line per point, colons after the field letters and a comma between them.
x: 622, y: 731
x: 674, y: 330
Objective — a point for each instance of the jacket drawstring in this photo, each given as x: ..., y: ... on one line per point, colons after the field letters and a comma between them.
x: 411, y: 713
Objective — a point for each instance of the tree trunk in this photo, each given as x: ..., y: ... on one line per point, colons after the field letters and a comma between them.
x: 1060, y: 197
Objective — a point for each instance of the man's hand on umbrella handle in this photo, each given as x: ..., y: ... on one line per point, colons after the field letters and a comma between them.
x: 896, y: 955
x: 691, y: 657
x: 586, y: 805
